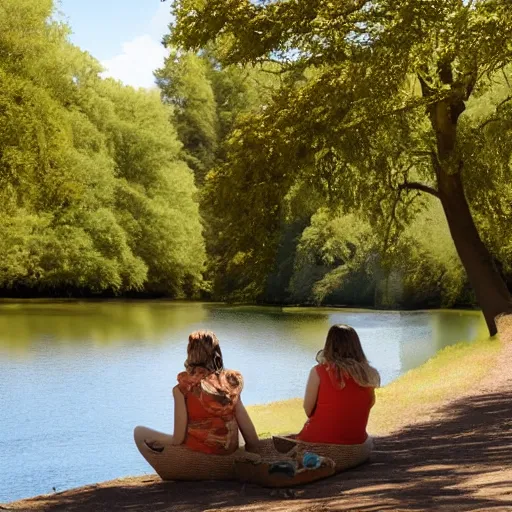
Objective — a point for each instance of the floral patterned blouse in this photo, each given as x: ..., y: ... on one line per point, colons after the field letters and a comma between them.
x: 211, y: 399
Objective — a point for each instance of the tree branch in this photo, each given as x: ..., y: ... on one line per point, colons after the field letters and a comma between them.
x: 494, y: 118
x: 422, y: 153
x: 392, y: 221
x: 505, y: 77
x: 357, y: 5
x: 414, y: 185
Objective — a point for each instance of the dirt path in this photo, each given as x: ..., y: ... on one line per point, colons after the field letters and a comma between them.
x: 460, y: 460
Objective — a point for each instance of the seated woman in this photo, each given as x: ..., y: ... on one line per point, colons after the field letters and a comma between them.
x: 208, y: 410
x: 340, y: 391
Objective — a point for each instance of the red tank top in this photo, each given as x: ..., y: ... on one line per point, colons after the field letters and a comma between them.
x: 341, y: 414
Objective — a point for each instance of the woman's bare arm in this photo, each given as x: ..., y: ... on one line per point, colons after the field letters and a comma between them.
x: 246, y: 426
x: 373, y: 398
x: 311, y: 394
x: 180, y: 417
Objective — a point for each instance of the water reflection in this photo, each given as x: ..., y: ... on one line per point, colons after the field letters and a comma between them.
x: 428, y: 332
x: 23, y: 324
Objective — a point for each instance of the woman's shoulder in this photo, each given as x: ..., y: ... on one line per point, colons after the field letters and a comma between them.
x: 186, y: 381
x: 228, y: 382
x: 374, y: 377
x: 231, y: 372
x: 224, y: 387
x: 320, y: 369
x: 182, y: 377
x: 370, y: 381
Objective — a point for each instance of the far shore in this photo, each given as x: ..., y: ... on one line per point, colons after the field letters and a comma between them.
x: 63, y: 298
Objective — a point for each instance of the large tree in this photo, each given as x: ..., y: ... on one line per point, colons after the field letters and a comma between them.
x: 372, y: 108
x: 207, y: 101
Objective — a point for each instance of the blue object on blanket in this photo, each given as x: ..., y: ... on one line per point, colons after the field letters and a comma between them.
x: 311, y: 460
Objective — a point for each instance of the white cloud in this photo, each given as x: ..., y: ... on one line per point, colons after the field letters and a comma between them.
x: 141, y: 56
x: 135, y: 65
x: 160, y: 22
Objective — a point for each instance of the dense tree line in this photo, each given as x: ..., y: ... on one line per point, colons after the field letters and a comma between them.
x: 324, y: 255
x: 95, y: 197
x: 296, y: 152
x: 381, y: 105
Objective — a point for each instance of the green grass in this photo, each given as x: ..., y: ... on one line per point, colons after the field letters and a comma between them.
x: 452, y: 372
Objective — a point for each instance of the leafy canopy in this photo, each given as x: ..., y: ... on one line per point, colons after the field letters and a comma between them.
x: 372, y: 108
x: 93, y: 194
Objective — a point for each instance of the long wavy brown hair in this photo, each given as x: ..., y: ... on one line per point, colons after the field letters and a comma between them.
x: 344, y: 354
x: 204, y: 351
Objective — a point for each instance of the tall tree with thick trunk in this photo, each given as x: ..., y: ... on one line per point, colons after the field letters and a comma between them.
x: 372, y: 109
x: 490, y: 289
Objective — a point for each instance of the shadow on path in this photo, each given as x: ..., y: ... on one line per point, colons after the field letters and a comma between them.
x: 461, y: 460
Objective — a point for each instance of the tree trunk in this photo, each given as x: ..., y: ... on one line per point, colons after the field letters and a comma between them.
x: 490, y: 289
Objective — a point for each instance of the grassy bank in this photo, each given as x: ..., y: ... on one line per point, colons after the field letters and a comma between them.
x: 450, y: 373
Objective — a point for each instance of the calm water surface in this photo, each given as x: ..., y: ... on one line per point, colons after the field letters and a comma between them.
x: 76, y: 377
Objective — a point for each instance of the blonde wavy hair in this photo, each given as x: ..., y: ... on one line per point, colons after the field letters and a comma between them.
x: 343, y: 352
x: 204, y: 351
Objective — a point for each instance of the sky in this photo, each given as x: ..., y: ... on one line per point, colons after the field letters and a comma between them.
x: 124, y: 35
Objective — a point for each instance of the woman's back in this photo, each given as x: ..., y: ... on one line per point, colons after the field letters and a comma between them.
x: 208, y: 410
x: 341, y: 413
x: 211, y: 400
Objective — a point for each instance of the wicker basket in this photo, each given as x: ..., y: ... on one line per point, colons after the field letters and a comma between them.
x: 261, y: 472
x: 181, y: 463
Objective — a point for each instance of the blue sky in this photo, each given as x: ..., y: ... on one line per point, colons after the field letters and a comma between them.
x: 124, y: 35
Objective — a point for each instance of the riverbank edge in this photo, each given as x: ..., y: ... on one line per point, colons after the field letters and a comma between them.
x: 35, y: 299
x: 414, y: 397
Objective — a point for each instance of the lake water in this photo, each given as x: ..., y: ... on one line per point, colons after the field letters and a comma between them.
x: 76, y: 377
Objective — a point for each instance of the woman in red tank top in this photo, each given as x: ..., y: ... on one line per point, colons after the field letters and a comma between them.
x: 340, y: 391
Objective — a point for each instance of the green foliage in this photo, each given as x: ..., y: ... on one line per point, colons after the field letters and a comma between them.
x: 370, y: 113
x: 340, y: 260
x: 185, y: 85
x: 94, y: 196
x: 487, y: 137
x: 426, y: 265
x: 335, y: 260
x: 209, y: 101
x: 311, y: 129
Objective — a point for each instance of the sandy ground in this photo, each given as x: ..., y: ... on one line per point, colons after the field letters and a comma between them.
x: 460, y: 459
